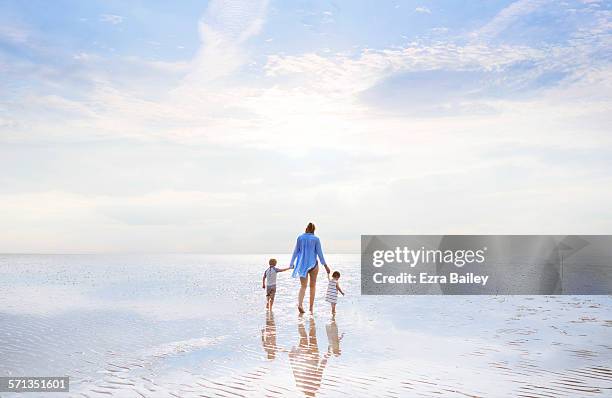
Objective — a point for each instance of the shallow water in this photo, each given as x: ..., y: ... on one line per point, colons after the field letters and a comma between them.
x: 195, y: 326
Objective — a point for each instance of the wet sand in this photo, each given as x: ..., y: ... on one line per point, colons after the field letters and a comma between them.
x: 196, y: 326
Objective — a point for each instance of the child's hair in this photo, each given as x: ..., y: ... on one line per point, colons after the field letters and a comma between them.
x: 336, y: 274
x: 310, y: 228
x: 272, y: 261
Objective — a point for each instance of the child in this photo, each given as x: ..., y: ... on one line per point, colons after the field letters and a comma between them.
x: 332, y: 291
x: 269, y: 276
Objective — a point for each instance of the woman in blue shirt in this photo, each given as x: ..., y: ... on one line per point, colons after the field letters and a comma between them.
x: 305, y: 265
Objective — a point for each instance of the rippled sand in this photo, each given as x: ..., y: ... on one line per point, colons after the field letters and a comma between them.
x: 195, y: 326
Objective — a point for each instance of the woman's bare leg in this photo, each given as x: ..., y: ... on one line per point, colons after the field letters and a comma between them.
x: 313, y: 285
x: 303, y: 283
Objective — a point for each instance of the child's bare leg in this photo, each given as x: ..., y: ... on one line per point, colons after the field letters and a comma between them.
x: 333, y: 305
x: 271, y: 302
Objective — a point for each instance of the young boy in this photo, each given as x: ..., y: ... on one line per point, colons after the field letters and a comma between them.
x: 332, y: 290
x: 269, y: 276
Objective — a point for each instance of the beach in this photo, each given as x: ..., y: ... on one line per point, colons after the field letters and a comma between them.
x: 191, y: 325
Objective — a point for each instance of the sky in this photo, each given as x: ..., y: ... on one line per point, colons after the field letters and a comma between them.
x: 226, y: 126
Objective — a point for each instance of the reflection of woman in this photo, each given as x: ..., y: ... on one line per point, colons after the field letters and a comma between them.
x: 304, y: 259
x: 306, y: 362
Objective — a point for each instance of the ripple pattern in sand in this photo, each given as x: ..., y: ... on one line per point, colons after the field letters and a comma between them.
x: 137, y: 327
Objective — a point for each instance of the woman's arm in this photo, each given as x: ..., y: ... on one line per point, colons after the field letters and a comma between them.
x: 296, y: 251
x: 320, y: 255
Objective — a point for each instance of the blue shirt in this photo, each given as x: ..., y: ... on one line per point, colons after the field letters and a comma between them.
x: 307, y: 249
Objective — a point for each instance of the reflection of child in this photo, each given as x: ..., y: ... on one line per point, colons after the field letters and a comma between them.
x: 332, y: 290
x: 269, y: 278
x: 333, y: 339
x: 268, y: 336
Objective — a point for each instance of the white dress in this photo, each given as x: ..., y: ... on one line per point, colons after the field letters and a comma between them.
x: 332, y: 292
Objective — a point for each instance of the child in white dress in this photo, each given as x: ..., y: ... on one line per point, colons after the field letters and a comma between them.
x: 332, y: 290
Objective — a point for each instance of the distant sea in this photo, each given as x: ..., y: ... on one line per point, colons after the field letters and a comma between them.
x: 195, y: 325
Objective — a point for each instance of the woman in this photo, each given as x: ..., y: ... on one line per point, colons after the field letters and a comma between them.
x: 305, y: 265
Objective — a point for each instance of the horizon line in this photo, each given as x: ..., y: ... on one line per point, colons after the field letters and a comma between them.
x: 134, y: 253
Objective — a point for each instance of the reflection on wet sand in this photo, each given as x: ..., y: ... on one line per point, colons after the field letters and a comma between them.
x: 333, y: 339
x: 268, y: 336
x: 306, y: 361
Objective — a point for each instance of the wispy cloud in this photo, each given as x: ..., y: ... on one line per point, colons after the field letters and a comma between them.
x: 507, y: 16
x: 13, y: 34
x: 422, y: 10
x: 112, y: 19
x: 223, y: 29
x: 351, y: 74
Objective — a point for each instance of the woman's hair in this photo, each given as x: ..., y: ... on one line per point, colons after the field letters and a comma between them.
x: 310, y: 228
x: 336, y: 274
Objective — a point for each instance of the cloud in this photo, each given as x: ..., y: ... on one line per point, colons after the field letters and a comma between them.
x: 302, y: 93
x: 507, y: 16
x: 111, y: 19
x: 510, y: 71
x: 14, y: 34
x: 224, y: 28
x: 422, y: 10
x: 349, y: 75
